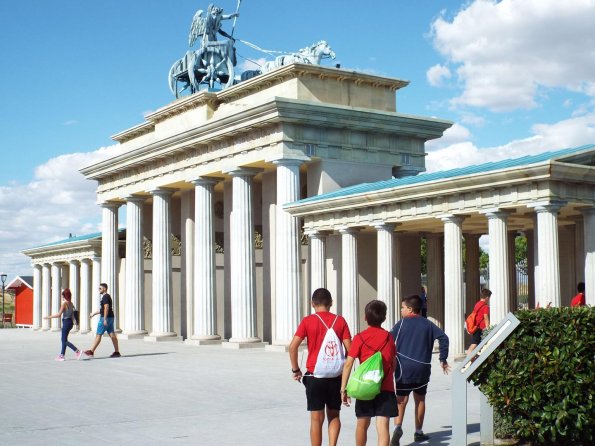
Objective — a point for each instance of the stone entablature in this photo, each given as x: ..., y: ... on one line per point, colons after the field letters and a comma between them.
x: 513, y: 189
x: 74, y: 251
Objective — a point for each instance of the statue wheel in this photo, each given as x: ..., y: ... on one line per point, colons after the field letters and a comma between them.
x: 211, y: 68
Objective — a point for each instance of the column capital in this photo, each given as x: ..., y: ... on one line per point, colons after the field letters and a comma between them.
x: 204, y: 180
x: 383, y: 225
x: 133, y: 198
x: 114, y: 205
x: 288, y: 160
x: 239, y: 171
x: 458, y: 219
x: 162, y: 191
x: 74, y: 262
x: 547, y: 206
x: 316, y: 233
x: 87, y: 261
x: 496, y: 213
x: 349, y: 230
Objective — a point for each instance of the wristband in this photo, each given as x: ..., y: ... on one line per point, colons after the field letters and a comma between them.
x: 296, y: 370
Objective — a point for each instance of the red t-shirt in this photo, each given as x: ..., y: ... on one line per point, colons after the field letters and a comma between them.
x: 313, y: 329
x: 481, y: 309
x: 578, y: 300
x: 368, y: 342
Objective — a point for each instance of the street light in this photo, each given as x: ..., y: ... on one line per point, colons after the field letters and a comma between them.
x: 3, y: 277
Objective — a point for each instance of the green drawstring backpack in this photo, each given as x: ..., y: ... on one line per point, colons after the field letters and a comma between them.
x: 364, y: 384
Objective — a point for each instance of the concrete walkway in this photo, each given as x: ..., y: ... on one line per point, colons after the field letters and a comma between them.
x: 169, y: 393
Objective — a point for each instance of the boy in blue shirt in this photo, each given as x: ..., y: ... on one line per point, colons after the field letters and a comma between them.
x: 414, y: 337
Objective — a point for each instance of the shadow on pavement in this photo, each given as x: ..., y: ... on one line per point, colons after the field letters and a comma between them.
x: 129, y: 356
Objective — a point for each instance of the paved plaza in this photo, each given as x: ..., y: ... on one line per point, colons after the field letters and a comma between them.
x: 170, y: 393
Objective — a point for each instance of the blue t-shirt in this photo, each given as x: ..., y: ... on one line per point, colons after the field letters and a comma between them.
x: 414, y: 338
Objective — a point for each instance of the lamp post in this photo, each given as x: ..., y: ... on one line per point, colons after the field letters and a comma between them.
x: 3, y: 277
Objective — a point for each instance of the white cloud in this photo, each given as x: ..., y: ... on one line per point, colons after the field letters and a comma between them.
x: 506, y: 52
x: 70, y: 122
x: 247, y: 64
x: 452, y: 150
x: 453, y: 135
x: 437, y: 74
x: 56, y: 202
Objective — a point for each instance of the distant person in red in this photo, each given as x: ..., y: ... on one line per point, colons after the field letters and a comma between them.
x: 579, y: 299
x: 482, y: 318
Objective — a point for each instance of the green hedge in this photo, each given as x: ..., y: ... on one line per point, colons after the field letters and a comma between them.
x: 540, y: 380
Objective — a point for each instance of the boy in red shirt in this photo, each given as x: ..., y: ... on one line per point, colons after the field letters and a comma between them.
x: 482, y: 318
x: 320, y: 392
x: 384, y: 405
x: 579, y: 299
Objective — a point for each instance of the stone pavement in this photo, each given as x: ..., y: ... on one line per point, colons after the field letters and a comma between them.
x: 173, y: 394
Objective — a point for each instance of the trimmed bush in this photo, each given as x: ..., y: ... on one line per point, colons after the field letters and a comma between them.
x: 540, y: 380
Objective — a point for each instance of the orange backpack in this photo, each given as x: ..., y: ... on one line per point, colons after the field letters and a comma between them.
x: 470, y: 324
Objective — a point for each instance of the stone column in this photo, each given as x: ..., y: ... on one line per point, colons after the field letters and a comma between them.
x: 162, y: 317
x: 46, y: 289
x: 589, y: 240
x: 453, y: 284
x: 56, y: 296
x: 85, y: 296
x: 205, y: 290
x: 435, y: 266
x: 134, y: 323
x: 471, y: 271
x: 95, y: 281
x: 317, y: 260
x: 350, y: 278
x: 73, y: 284
x: 243, y: 287
x: 548, y: 253
x: 386, y: 270
x: 187, y: 258
x: 287, y: 257
x: 513, y: 302
x: 37, y: 297
x: 499, y: 265
x: 109, y: 254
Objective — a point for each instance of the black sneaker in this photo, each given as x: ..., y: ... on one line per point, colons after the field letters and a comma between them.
x: 420, y: 437
x: 115, y: 355
x: 397, y: 434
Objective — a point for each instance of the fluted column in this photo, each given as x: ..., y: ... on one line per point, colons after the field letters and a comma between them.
x: 85, y: 296
x: 205, y: 291
x: 513, y: 301
x: 109, y: 254
x: 499, y: 265
x: 386, y: 270
x: 548, y: 253
x: 37, y: 297
x: 243, y: 287
x: 435, y: 266
x: 134, y: 323
x: 187, y: 219
x: 453, y: 284
x: 349, y: 278
x: 287, y: 257
x: 95, y: 281
x: 73, y: 284
x: 46, y: 290
x: 589, y: 240
x: 317, y: 260
x: 162, y: 318
x: 471, y: 271
x: 56, y: 296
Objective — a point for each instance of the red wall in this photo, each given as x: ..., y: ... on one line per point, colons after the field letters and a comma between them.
x: 23, y: 307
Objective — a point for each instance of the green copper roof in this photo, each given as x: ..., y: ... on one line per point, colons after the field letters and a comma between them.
x: 444, y: 174
x: 79, y: 238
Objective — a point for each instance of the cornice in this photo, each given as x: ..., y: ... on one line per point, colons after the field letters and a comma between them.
x: 64, y: 252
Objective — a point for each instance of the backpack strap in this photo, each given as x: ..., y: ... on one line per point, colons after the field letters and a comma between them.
x: 371, y: 348
x: 327, y: 327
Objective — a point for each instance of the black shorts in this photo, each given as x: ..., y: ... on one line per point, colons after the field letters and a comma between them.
x: 476, y: 337
x: 384, y: 405
x: 404, y: 389
x: 321, y: 392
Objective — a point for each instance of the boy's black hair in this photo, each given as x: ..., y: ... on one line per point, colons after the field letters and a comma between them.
x: 322, y: 296
x: 581, y: 287
x: 375, y: 313
x: 485, y: 293
x: 414, y: 302
x: 104, y: 285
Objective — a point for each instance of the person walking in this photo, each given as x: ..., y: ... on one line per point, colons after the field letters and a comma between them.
x: 579, y: 299
x: 67, y: 313
x: 105, y: 324
x: 482, y: 318
x: 414, y: 339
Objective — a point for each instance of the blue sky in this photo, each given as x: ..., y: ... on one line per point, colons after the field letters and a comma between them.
x: 516, y: 77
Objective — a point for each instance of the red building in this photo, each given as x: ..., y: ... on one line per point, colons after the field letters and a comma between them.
x: 23, y: 300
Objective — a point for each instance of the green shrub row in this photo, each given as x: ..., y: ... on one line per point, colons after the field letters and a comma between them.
x: 540, y: 380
